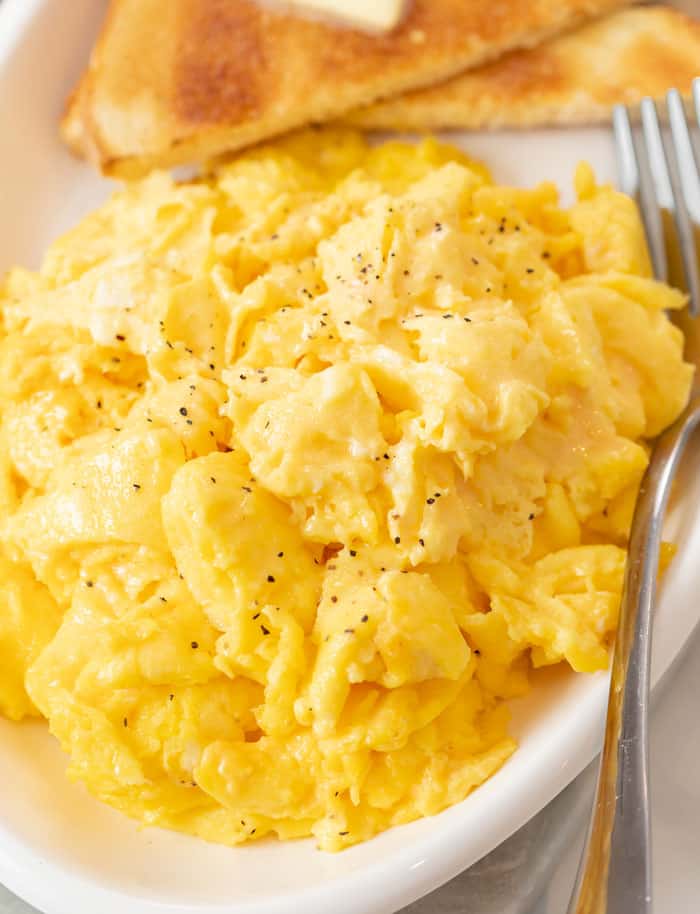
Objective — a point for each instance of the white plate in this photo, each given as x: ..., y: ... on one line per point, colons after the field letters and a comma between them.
x: 67, y: 854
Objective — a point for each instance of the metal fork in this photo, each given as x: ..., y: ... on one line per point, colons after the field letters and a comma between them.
x: 614, y: 875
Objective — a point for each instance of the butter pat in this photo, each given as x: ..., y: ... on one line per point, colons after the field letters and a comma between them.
x: 368, y: 15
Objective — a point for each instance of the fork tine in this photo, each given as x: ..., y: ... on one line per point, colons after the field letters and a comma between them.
x: 636, y: 181
x: 696, y: 98
x: 688, y: 161
x: 685, y: 184
x: 627, y: 166
x: 655, y: 187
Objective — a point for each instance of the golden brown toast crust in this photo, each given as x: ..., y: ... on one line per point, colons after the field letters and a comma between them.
x: 573, y: 78
x: 173, y: 81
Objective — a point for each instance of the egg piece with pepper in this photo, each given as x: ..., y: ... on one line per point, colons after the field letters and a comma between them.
x: 307, y: 466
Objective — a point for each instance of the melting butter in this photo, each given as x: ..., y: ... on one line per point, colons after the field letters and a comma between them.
x: 374, y: 16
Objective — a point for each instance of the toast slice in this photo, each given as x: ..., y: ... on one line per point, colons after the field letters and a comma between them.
x: 174, y: 81
x: 575, y: 78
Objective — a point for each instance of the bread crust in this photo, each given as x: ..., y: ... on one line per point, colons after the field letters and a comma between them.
x: 175, y: 81
x: 575, y: 78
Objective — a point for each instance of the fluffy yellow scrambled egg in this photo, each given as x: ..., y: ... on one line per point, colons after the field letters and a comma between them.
x: 305, y: 465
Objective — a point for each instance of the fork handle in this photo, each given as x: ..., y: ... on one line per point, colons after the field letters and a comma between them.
x: 614, y: 875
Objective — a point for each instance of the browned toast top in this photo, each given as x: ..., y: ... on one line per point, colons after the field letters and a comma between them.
x: 172, y: 81
x: 573, y: 78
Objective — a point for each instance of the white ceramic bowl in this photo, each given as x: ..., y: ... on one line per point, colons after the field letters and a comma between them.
x: 67, y: 854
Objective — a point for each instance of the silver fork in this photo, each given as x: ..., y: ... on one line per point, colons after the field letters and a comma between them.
x: 614, y: 875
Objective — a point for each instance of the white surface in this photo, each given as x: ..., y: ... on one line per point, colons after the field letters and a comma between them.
x: 67, y: 854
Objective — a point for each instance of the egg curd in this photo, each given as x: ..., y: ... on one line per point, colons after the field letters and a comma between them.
x: 305, y: 466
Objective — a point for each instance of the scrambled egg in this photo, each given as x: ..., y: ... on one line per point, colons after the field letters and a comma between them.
x: 305, y: 465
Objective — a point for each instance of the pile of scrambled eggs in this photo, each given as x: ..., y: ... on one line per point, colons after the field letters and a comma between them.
x: 305, y: 465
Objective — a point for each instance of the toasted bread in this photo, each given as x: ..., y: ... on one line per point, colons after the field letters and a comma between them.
x: 574, y: 78
x: 173, y: 81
